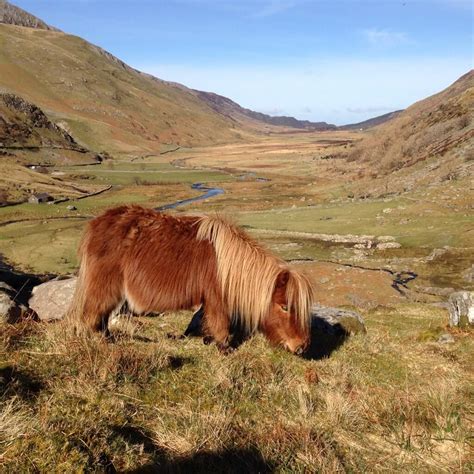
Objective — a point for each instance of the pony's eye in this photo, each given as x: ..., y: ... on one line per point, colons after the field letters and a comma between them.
x: 284, y: 307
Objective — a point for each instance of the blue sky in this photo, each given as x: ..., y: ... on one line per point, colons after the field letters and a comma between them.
x: 340, y: 61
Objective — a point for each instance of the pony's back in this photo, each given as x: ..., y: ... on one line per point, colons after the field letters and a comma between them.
x: 151, y: 260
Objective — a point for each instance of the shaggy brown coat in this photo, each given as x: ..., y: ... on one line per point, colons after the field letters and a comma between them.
x: 159, y: 262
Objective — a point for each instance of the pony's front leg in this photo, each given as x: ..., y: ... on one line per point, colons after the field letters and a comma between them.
x: 216, y: 327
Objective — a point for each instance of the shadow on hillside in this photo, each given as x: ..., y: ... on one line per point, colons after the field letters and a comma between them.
x: 21, y: 282
x: 17, y: 382
x: 233, y: 460
x: 325, y: 339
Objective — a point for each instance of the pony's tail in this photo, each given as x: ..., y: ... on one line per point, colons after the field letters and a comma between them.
x: 75, y: 312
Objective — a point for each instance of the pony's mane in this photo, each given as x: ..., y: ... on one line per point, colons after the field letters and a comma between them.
x: 248, y: 273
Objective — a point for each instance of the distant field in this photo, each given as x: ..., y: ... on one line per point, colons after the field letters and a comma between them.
x: 310, y: 199
x: 137, y: 173
x: 413, y: 225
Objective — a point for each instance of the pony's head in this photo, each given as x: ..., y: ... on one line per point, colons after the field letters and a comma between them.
x: 287, y: 323
x: 260, y: 291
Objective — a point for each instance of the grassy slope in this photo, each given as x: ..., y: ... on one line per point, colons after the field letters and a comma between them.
x: 106, y: 104
x: 391, y: 401
x: 429, y: 142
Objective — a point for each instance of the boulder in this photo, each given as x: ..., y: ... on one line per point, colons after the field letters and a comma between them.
x: 10, y: 310
x: 446, y: 339
x: 334, y: 321
x: 330, y: 327
x: 51, y: 300
x: 461, y: 308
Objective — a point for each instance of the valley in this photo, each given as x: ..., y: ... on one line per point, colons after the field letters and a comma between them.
x: 379, y: 215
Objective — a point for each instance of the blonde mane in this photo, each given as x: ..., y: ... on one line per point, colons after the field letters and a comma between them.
x: 248, y: 273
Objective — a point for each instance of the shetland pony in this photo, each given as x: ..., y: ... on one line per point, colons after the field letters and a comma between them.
x: 159, y: 262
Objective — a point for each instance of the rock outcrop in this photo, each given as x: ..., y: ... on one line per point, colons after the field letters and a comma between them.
x: 24, y: 124
x: 10, y: 310
x: 13, y: 15
x: 461, y: 308
x: 51, y: 300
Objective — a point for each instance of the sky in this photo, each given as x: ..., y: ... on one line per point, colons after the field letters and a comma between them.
x: 339, y: 61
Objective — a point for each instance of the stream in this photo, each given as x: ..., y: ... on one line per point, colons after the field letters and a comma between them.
x: 207, y: 193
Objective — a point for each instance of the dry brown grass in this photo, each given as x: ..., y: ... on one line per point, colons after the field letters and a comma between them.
x: 430, y: 134
x: 388, y: 401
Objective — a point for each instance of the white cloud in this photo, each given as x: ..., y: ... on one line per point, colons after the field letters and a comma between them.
x: 382, y: 37
x: 273, y: 7
x: 338, y: 90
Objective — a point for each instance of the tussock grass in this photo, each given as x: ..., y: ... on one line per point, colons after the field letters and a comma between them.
x: 383, y: 402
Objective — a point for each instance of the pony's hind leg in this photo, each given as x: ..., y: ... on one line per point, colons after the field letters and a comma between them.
x: 96, y: 315
x: 100, y: 301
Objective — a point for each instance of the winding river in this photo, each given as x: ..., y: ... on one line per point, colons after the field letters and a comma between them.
x: 207, y: 193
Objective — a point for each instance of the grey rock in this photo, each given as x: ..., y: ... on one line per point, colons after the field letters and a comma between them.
x: 388, y: 245
x: 334, y: 320
x: 435, y: 254
x: 461, y: 308
x: 446, y: 339
x: 10, y: 310
x: 71, y: 208
x: 51, y: 300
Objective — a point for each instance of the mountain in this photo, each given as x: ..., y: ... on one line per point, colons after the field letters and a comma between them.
x: 13, y: 15
x: 436, y: 134
x: 372, y: 122
x: 110, y: 106
x: 105, y: 104
x: 231, y: 109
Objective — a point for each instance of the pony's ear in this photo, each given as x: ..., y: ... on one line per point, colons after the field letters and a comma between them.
x: 282, y: 279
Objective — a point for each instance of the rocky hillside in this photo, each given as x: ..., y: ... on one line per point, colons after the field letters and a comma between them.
x: 436, y: 133
x: 30, y: 143
x: 231, y: 109
x: 13, y: 15
x: 24, y: 125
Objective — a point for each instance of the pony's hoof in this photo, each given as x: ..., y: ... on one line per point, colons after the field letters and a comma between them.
x: 207, y: 340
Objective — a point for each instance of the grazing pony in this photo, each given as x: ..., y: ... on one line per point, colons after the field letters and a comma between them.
x: 159, y: 262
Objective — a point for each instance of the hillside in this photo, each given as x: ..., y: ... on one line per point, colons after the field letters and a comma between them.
x: 430, y: 142
x: 28, y: 137
x: 23, y: 125
x: 106, y: 104
x: 231, y: 109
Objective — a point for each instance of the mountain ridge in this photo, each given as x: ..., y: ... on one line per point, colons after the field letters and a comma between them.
x: 232, y: 109
x: 371, y: 122
x: 12, y: 15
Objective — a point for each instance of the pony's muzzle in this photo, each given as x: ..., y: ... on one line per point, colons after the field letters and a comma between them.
x: 300, y: 350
